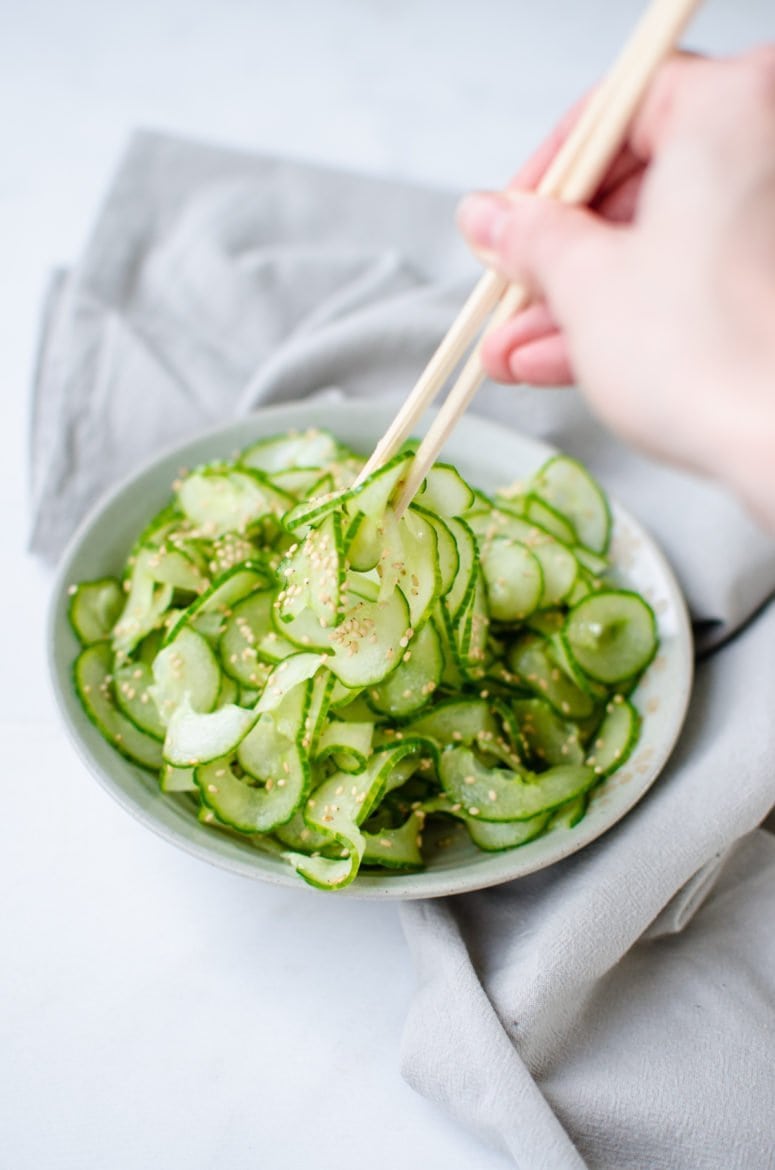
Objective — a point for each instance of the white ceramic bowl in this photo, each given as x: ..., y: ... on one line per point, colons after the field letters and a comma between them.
x: 489, y: 455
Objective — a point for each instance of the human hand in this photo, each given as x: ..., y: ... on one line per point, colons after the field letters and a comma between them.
x: 658, y: 299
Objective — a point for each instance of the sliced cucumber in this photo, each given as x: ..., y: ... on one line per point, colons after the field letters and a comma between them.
x: 349, y: 744
x: 414, y: 681
x: 531, y: 661
x: 93, y: 677
x: 615, y: 737
x: 612, y: 635
x: 281, y: 453
x: 497, y: 794
x: 568, y: 487
x: 491, y: 836
x: 549, y: 739
x: 515, y: 580
x: 94, y: 609
x: 368, y: 644
x: 218, y: 501
x: 399, y: 848
x: 193, y: 738
x: 445, y: 492
x: 249, y: 637
x: 185, y: 667
x: 132, y: 690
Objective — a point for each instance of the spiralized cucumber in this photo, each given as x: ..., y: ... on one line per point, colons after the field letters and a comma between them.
x: 305, y: 669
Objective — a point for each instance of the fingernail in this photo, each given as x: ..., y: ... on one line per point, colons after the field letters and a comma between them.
x: 481, y: 218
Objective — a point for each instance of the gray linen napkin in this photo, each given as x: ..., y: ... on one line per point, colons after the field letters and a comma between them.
x: 583, y: 1015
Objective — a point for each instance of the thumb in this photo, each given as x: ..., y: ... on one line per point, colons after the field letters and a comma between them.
x: 561, y: 253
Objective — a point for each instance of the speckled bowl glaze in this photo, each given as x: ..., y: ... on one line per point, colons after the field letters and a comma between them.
x: 489, y: 455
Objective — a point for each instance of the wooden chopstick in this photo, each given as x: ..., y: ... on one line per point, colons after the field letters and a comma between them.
x: 572, y: 177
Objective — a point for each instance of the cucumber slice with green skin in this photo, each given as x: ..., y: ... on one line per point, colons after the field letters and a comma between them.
x: 249, y: 637
x: 217, y: 500
x: 146, y: 604
x: 94, y: 608
x: 445, y: 492
x: 456, y: 721
x: 285, y: 676
x: 262, y: 751
x: 132, y: 690
x: 548, y: 738
x: 150, y: 646
x: 411, y: 685
x: 172, y: 566
x: 583, y: 586
x: 498, y: 794
x: 168, y: 519
x: 216, y: 604
x: 368, y: 644
x: 350, y: 706
x: 362, y: 587
x: 228, y: 691
x: 568, y: 487
x: 558, y: 564
x: 451, y: 675
x: 280, y: 453
x: 296, y: 834
x: 615, y: 738
x: 612, y: 635
x: 567, y: 816
x: 337, y: 808
x: 514, y: 578
x: 371, y: 497
x: 193, y: 738
x: 317, y: 713
x: 364, y: 543
x: 465, y: 579
x: 561, y: 655
x: 545, y: 516
x: 313, y: 574
x: 93, y: 677
x: 272, y: 754
x: 446, y: 549
x: 419, y: 575
x: 491, y: 836
x: 348, y: 743
x: 300, y: 482
x: 304, y: 632
x: 177, y: 779
x: 593, y: 563
x: 534, y: 669
x: 249, y: 808
x: 188, y: 668
x: 471, y: 633
x: 399, y: 848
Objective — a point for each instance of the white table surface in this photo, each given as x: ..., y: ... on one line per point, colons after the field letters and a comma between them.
x: 155, y: 1012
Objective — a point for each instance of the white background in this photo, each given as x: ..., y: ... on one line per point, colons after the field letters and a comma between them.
x: 155, y: 1012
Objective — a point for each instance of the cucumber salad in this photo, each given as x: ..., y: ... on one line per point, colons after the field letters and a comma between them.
x: 334, y: 683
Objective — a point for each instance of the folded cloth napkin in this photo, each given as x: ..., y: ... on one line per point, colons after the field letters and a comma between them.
x: 583, y: 1015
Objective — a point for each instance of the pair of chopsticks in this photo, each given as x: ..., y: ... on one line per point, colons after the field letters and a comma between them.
x: 573, y: 177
